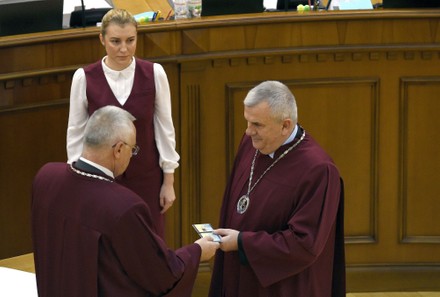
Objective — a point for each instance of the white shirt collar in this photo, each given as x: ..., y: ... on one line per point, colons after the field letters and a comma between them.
x: 289, y: 139
x: 102, y: 168
x: 114, y: 74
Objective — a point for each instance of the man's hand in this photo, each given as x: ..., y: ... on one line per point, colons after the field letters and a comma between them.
x: 208, y: 247
x: 229, y: 241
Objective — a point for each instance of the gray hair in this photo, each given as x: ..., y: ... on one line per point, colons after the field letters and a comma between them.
x: 107, y: 125
x: 280, y: 99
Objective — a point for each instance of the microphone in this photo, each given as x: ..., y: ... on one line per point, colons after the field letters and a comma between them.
x: 83, y: 9
x: 328, y: 4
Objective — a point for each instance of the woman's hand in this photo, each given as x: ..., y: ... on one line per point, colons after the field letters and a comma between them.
x: 167, y: 194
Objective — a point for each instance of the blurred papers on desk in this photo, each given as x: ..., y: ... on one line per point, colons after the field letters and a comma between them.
x: 145, y: 17
x: 350, y: 4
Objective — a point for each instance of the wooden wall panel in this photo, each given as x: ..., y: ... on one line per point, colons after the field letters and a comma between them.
x: 342, y: 115
x: 420, y: 160
x: 210, y: 117
x: 13, y: 58
x: 158, y: 44
x: 86, y: 51
x: 23, y: 131
x: 190, y: 161
x: 173, y: 216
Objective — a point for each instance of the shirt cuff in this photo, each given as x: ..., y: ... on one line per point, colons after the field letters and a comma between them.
x: 169, y: 167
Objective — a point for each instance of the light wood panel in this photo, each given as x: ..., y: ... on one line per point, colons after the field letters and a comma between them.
x: 419, y: 156
x: 22, y: 262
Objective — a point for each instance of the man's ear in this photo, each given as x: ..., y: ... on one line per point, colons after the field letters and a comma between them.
x: 287, y: 126
x: 117, y: 149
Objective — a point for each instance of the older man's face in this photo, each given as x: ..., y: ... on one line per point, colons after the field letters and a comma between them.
x: 267, y: 133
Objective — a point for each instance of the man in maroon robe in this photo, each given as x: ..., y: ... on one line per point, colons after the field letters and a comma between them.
x: 281, y: 220
x: 94, y: 237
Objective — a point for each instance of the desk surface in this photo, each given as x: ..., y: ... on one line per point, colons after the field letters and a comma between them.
x: 23, y: 262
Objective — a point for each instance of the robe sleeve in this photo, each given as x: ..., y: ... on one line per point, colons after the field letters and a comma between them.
x: 274, y: 257
x: 148, y: 261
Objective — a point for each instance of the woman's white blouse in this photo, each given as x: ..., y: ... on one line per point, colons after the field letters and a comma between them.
x: 121, y: 83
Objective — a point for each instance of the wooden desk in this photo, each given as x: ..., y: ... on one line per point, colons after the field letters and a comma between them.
x: 367, y: 85
x: 23, y: 262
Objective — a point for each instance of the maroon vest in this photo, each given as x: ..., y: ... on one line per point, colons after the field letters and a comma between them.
x: 143, y: 175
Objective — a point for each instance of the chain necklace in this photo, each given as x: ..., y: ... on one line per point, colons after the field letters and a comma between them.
x: 89, y: 174
x: 243, y: 202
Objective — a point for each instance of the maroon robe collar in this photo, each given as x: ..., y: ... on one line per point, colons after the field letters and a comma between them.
x: 86, y: 167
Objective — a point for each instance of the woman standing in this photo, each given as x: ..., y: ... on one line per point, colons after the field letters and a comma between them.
x: 140, y: 87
